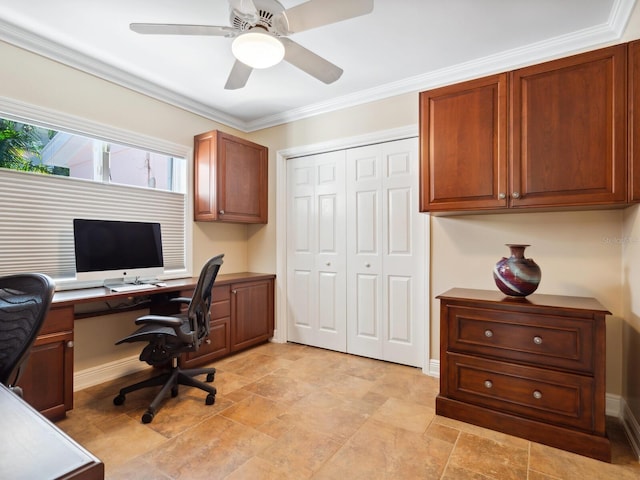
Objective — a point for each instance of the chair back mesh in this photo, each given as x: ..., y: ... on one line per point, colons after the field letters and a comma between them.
x: 199, y: 311
x: 24, y: 302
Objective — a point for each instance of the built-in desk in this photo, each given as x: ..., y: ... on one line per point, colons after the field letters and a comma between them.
x: 33, y: 447
x: 242, y: 316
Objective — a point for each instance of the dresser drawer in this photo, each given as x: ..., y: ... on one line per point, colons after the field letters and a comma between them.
x: 535, y: 393
x: 544, y: 340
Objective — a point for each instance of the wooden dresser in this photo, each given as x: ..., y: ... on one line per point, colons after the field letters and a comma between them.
x: 531, y: 367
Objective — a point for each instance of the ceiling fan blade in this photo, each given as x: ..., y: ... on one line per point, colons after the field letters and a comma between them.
x: 238, y: 76
x: 309, y: 62
x: 177, y: 29
x: 316, y: 13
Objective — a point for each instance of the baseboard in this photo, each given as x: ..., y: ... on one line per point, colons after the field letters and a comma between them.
x: 434, y: 368
x: 631, y: 427
x: 613, y: 405
x: 109, y: 371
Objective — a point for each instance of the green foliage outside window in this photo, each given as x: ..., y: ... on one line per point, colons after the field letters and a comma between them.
x: 21, y: 147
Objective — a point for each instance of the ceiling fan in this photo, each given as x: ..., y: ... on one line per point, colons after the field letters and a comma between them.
x: 260, y: 29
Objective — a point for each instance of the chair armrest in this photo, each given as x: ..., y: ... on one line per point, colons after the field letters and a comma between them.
x: 180, y: 300
x: 159, y: 320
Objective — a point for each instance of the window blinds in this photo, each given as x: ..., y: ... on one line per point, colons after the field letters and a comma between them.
x: 37, y: 212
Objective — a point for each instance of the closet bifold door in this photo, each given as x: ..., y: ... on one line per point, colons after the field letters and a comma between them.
x: 385, y: 253
x: 316, y: 277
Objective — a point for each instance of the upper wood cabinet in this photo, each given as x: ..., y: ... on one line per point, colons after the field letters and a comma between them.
x: 463, y: 145
x: 231, y: 183
x: 550, y: 135
x: 569, y: 131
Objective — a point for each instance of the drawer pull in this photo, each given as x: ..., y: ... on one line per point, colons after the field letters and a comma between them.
x: 537, y: 340
x: 488, y: 333
x: 488, y: 383
x: 537, y: 394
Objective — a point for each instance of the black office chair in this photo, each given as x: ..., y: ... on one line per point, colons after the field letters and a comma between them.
x: 24, y: 302
x: 171, y: 336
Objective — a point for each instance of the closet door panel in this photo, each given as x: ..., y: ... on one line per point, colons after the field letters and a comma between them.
x: 364, y: 251
x: 316, y: 253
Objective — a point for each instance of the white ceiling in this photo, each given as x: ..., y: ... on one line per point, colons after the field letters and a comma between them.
x: 403, y: 46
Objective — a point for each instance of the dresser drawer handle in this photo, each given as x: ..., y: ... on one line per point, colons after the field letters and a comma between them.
x: 488, y: 383
x: 537, y: 394
x: 537, y: 340
x: 488, y: 333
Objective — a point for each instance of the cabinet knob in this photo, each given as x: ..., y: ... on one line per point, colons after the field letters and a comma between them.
x: 488, y: 384
x: 367, y: 265
x: 328, y: 264
x: 70, y: 344
x: 488, y: 333
x: 221, y: 212
x: 515, y: 195
x: 537, y: 340
x: 207, y: 341
x: 234, y: 291
x: 537, y: 394
x: 502, y: 195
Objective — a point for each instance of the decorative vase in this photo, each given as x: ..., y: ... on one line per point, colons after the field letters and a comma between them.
x: 517, y: 276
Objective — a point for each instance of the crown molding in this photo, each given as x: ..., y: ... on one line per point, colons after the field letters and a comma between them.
x: 563, y: 45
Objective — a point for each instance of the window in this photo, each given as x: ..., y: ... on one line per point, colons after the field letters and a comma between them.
x: 50, y: 175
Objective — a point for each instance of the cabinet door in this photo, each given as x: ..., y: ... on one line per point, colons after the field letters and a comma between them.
x: 230, y: 179
x: 634, y: 121
x: 568, y: 135
x: 463, y: 146
x: 251, y: 313
x: 205, y: 203
x: 47, y: 380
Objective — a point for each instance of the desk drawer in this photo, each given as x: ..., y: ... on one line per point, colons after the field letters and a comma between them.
x: 57, y: 320
x: 220, y: 302
x: 539, y: 394
x: 544, y: 340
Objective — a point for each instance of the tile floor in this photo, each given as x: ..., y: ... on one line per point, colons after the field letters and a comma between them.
x: 295, y: 412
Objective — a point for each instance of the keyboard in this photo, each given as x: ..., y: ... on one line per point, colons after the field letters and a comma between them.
x: 132, y: 287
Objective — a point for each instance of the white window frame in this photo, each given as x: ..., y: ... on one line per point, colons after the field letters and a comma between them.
x: 55, y: 120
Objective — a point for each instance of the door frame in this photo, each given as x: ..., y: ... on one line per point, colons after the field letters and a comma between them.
x: 281, y: 321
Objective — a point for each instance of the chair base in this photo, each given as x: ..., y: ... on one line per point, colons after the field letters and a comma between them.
x: 170, y: 381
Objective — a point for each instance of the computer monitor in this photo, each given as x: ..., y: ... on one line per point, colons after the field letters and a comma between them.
x: 117, y: 250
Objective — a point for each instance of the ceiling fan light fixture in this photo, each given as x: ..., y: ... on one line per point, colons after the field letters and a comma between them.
x: 258, y: 49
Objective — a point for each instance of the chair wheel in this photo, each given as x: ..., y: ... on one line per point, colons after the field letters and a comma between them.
x: 119, y: 400
x: 174, y: 392
x: 211, y: 399
x: 210, y: 377
x: 147, y: 417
